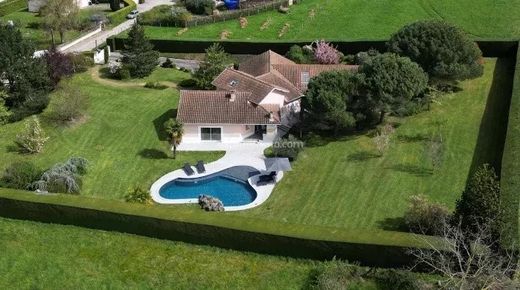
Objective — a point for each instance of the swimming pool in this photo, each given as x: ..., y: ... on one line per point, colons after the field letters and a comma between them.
x: 230, y: 186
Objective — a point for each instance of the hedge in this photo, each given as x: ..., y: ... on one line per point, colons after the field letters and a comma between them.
x: 510, y: 176
x: 371, y: 248
x: 489, y: 48
x: 11, y: 6
x: 119, y: 16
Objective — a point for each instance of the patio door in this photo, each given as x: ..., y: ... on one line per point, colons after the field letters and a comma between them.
x: 210, y: 134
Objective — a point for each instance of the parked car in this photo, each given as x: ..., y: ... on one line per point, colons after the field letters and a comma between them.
x: 132, y: 15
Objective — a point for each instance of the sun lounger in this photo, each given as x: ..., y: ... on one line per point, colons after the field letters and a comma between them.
x: 187, y: 169
x: 200, y: 167
x: 266, y: 179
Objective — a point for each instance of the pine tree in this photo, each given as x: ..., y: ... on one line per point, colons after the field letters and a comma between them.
x: 139, y: 57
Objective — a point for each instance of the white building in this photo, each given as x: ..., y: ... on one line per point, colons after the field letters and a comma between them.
x: 36, y: 5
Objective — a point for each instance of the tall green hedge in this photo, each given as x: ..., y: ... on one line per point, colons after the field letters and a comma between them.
x: 489, y: 48
x: 371, y: 248
x: 510, y: 176
x: 119, y: 16
x: 11, y: 6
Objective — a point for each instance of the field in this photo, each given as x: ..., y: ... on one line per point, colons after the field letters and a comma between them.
x: 46, y: 256
x: 122, y: 136
x: 363, y: 20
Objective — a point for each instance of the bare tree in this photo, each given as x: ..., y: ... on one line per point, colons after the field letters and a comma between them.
x: 468, y: 261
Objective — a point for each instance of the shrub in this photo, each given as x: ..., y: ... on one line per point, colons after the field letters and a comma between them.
x: 325, y: 53
x: 63, y: 177
x: 479, y: 205
x: 444, y: 51
x: 288, y: 147
x: 200, y: 7
x: 68, y: 104
x: 155, y: 85
x: 138, y: 195
x: 123, y: 74
x: 209, y: 203
x: 20, y: 175
x: 32, y: 138
x: 80, y: 62
x: 392, y: 279
x: 297, y: 54
x: 5, y: 115
x: 425, y: 217
x: 168, y: 64
x: 59, y: 65
x: 383, y: 137
x: 188, y: 83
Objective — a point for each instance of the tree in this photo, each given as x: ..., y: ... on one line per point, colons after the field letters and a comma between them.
x: 59, y: 65
x: 26, y: 81
x: 442, y: 50
x: 68, y: 103
x: 467, y: 261
x: 392, y: 81
x: 480, y: 202
x: 175, y: 131
x: 115, y: 5
x: 138, y: 56
x: 325, y: 53
x: 425, y: 217
x: 60, y: 16
x: 215, y: 61
x: 32, y: 138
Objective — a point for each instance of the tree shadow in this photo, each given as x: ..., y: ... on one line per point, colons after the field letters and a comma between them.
x: 493, y: 125
x: 412, y: 169
x: 13, y: 149
x: 362, y: 156
x: 413, y: 138
x: 393, y: 224
x: 152, y: 154
x: 158, y: 123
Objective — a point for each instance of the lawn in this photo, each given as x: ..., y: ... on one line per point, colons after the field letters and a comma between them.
x: 345, y: 183
x: 46, y: 256
x: 364, y: 20
x: 122, y: 136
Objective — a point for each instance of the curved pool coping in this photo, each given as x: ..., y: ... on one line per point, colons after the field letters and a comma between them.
x: 231, y: 159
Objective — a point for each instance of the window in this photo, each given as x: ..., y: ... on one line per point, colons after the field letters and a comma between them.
x: 211, y: 134
x: 304, y: 78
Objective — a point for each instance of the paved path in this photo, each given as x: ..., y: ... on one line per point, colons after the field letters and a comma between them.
x: 90, y: 43
x: 248, y: 154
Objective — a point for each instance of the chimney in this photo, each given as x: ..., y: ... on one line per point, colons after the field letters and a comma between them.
x: 232, y: 96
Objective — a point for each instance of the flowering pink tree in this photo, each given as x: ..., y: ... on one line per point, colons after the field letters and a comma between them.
x: 325, y: 53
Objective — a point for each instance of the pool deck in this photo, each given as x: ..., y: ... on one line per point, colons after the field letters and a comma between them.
x: 241, y: 154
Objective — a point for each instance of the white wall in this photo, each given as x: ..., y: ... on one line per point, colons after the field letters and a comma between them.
x: 274, y: 98
x: 231, y: 133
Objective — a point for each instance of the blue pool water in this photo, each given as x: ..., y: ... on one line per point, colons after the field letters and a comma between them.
x: 230, y: 190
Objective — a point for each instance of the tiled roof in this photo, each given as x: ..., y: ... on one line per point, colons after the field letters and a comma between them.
x: 261, y: 64
x: 293, y: 72
x: 215, y: 107
x: 277, y: 79
x: 231, y: 79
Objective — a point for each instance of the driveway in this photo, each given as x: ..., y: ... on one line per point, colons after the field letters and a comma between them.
x: 97, y: 39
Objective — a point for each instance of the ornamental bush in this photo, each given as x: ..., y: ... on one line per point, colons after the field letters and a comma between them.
x: 425, y: 217
x: 32, y: 138
x: 63, y: 177
x: 68, y: 104
x: 200, y: 7
x: 138, y: 195
x: 325, y: 53
x: 20, y: 175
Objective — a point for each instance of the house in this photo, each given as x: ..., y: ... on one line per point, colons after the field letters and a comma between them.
x: 258, y: 101
x: 36, y: 5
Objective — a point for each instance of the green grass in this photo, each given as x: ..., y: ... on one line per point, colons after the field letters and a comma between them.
x: 46, y: 256
x: 345, y: 184
x: 121, y: 137
x: 364, y: 20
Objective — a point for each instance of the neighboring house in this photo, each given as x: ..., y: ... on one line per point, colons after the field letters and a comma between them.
x: 257, y: 102
x: 36, y: 5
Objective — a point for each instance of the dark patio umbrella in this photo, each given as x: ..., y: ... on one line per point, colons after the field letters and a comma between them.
x: 277, y: 164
